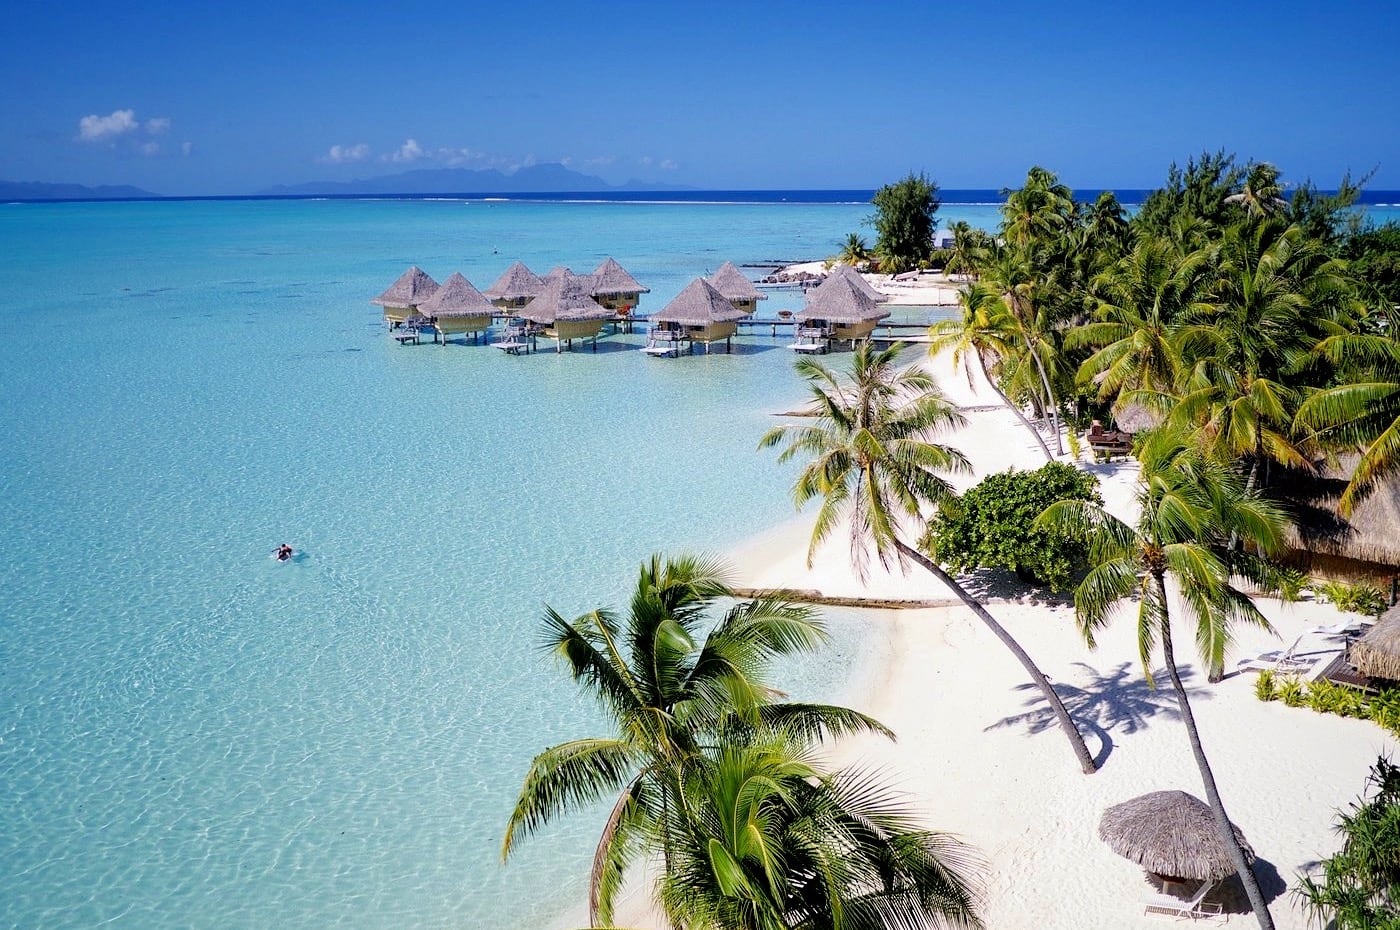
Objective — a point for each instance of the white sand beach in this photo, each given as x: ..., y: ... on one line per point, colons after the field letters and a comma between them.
x: 983, y: 758
x: 925, y: 289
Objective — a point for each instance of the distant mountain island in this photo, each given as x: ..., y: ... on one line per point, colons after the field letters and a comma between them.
x: 39, y: 190
x: 532, y: 179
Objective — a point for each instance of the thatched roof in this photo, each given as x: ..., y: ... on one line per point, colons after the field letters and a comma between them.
x: 566, y: 297
x: 1170, y: 833
x: 560, y: 271
x: 1370, y: 534
x: 858, y: 279
x: 840, y: 300
x: 517, y: 282
x: 1377, y: 654
x: 611, y: 278
x: 412, y: 288
x: 457, y: 297
x: 699, y: 304
x: 734, y: 284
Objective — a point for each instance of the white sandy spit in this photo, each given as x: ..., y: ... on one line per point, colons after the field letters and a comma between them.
x: 925, y: 289
x: 980, y: 757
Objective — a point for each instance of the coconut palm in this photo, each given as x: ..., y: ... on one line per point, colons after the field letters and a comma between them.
x: 669, y: 692
x: 1140, y: 303
x: 1190, y: 506
x: 1361, y: 413
x: 772, y: 843
x: 1028, y: 293
x: 871, y: 462
x: 1041, y: 210
x: 971, y: 247
x: 854, y: 250
x: 1240, y: 389
x: 983, y: 333
x: 1260, y: 195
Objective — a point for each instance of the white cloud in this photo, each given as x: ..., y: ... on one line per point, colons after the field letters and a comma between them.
x: 602, y: 161
x: 94, y: 128
x: 669, y: 165
x: 150, y: 148
x: 158, y: 126
x: 345, y: 154
x: 410, y: 151
x: 186, y: 148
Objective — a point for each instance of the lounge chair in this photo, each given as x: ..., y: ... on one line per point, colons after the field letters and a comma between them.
x: 1278, y: 660
x: 1169, y: 905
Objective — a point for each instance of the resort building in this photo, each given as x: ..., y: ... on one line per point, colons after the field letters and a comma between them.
x: 565, y: 310
x: 736, y: 288
x: 617, y: 290
x: 457, y: 307
x: 699, y: 313
x: 838, y: 309
x: 515, y: 288
x: 857, y: 279
x: 1362, y: 547
x: 405, y: 296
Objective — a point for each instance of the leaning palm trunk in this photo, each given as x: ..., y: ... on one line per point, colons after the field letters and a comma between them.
x: 1016, y: 409
x: 1050, y: 406
x: 1217, y: 807
x: 1076, y: 741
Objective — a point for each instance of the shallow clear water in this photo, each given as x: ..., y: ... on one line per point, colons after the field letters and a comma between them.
x: 193, y: 735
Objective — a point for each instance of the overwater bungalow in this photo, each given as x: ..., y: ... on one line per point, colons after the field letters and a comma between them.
x: 736, y: 288
x: 458, y: 307
x: 858, y: 279
x: 838, y: 309
x: 515, y: 288
x: 699, y: 313
x: 617, y: 290
x: 406, y: 295
x: 565, y: 310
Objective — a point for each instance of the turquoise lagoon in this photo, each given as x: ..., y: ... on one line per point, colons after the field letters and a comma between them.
x: 193, y: 735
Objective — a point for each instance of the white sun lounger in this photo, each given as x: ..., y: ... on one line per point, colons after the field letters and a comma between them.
x: 1278, y: 660
x: 1169, y: 905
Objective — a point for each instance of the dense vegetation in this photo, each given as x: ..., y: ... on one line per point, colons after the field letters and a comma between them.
x: 992, y: 525
x: 903, y: 222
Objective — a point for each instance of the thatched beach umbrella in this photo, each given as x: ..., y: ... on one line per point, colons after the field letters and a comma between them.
x: 736, y: 288
x: 702, y: 313
x: 566, y: 310
x: 843, y: 306
x: 458, y: 307
x: 1172, y: 834
x: 515, y: 288
x: 405, y: 295
x: 1377, y: 654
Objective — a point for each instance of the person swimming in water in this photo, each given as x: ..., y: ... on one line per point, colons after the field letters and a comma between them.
x: 283, y: 552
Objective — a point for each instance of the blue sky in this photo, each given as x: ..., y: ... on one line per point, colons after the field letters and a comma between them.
x: 189, y: 98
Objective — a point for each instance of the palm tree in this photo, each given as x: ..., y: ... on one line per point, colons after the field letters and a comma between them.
x: 854, y: 250
x: 1013, y: 272
x: 1141, y: 302
x: 1260, y: 195
x: 971, y: 247
x: 984, y: 333
x: 1361, y: 413
x: 1041, y: 210
x: 871, y: 462
x: 669, y: 692
x: 1240, y: 389
x: 1190, y: 506
x: 772, y: 842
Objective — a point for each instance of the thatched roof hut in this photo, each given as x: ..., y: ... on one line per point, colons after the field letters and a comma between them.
x: 611, y: 279
x: 858, y: 279
x: 566, y: 310
x: 406, y: 294
x: 458, y: 307
x: 515, y: 288
x: 1370, y: 537
x: 842, y: 304
x: 560, y: 271
x: 736, y: 287
x: 1377, y: 653
x: 701, y: 314
x: 1170, y: 833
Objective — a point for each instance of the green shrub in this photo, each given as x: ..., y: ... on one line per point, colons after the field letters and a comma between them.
x: 1384, y: 709
x: 1326, y: 697
x: 993, y: 525
x: 1290, y: 691
x: 1290, y: 583
x: 1352, y: 598
x: 1355, y: 888
x: 1264, y: 686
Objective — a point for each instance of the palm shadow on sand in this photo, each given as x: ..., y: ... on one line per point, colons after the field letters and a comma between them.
x: 1119, y: 700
